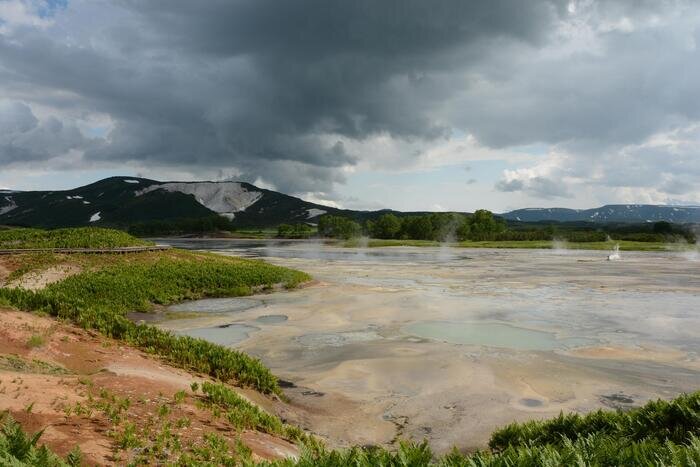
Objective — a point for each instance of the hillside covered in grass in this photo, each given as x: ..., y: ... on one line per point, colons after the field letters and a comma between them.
x: 110, y: 286
x: 85, y: 237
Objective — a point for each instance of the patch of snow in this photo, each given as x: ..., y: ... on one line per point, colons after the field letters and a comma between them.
x: 221, y: 197
x: 86, y: 202
x: 517, y: 218
x: 228, y: 215
x: 95, y: 217
x: 131, y: 181
x: 8, y: 207
x: 74, y: 197
x: 313, y: 212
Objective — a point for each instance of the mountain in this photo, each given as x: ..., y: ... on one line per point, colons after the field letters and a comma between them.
x: 629, y: 213
x: 122, y: 201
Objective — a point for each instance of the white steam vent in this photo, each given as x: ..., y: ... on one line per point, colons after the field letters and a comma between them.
x: 615, y: 255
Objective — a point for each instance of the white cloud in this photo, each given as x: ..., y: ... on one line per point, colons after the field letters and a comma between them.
x: 21, y: 13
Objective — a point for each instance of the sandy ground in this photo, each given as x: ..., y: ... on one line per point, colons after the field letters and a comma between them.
x: 361, y: 378
x: 37, y: 280
x: 78, y: 363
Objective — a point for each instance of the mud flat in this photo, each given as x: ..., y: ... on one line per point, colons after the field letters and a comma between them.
x: 449, y: 344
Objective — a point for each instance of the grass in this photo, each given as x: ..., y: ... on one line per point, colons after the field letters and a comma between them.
x: 254, y: 233
x: 376, y: 243
x: 113, y: 285
x: 677, y: 421
x: 84, y: 237
x: 35, y: 340
x: 19, y: 364
x: 244, y: 415
x: 625, y: 245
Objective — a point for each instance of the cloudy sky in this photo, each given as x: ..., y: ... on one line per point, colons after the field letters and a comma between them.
x: 407, y: 104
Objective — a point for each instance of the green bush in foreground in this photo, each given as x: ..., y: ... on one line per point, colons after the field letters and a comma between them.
x: 84, y: 237
x: 594, y: 450
x: 244, y: 415
x: 677, y: 420
x: 101, y: 299
x: 19, y: 449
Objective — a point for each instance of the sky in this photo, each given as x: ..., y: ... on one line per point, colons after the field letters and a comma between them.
x: 363, y: 104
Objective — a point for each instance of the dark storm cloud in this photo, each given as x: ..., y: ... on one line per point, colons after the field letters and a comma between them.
x: 269, y: 88
x: 23, y: 138
x: 253, y: 83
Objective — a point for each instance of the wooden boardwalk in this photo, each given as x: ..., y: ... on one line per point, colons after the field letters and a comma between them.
x: 96, y: 251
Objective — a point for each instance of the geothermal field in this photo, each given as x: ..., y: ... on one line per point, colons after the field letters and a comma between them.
x: 447, y: 344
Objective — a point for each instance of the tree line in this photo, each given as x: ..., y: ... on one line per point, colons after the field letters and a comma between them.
x: 439, y: 226
x: 483, y: 225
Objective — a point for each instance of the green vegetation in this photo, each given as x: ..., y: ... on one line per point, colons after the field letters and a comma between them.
x: 677, y: 421
x: 18, y: 449
x: 376, y: 243
x: 548, y: 244
x: 338, y: 227
x: 484, y: 230
x: 20, y: 364
x: 244, y: 415
x: 100, y: 297
x: 85, y: 237
x: 35, y: 340
x: 197, y: 225
x: 439, y: 226
x: 529, y: 244
x: 294, y: 231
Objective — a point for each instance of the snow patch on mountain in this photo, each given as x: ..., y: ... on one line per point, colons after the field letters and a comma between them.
x: 313, y: 212
x: 225, y: 198
x: 131, y: 181
x: 9, y: 206
x: 95, y: 217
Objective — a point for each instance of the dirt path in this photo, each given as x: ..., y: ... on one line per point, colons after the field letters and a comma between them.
x: 59, y: 377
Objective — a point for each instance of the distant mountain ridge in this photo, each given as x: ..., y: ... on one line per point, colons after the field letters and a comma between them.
x: 124, y: 201
x: 120, y: 201
x: 632, y: 213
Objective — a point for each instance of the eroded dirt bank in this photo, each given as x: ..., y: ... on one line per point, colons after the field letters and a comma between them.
x: 73, y: 383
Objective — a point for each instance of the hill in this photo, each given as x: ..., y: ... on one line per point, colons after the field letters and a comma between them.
x: 123, y: 201
x: 610, y: 213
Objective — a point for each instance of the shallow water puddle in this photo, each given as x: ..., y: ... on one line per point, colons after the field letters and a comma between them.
x: 271, y: 319
x: 227, y: 334
x: 217, y: 305
x: 492, y: 335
